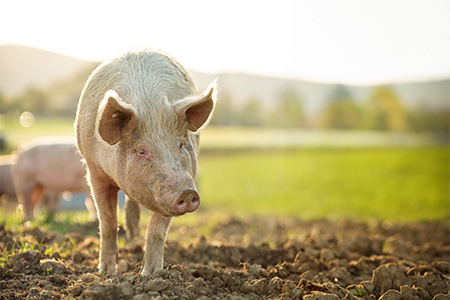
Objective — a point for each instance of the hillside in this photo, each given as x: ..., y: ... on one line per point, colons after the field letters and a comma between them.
x: 22, y: 67
x: 432, y: 94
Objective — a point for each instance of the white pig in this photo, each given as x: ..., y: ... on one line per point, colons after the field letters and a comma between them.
x: 137, y: 128
x: 52, y: 165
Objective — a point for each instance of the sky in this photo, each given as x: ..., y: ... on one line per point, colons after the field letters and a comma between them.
x: 347, y: 41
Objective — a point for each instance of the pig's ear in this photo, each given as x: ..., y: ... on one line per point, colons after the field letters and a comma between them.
x: 114, y: 118
x: 197, y: 110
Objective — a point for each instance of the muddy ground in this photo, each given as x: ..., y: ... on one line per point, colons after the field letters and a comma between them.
x: 236, y: 258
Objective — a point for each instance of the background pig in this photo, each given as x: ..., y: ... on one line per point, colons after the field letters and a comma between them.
x: 137, y: 128
x: 6, y: 183
x: 50, y: 165
x: 49, y: 201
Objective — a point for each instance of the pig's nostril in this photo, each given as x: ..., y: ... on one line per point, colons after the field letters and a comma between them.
x: 188, y: 201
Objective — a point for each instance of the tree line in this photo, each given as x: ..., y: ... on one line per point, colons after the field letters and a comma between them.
x: 383, y: 110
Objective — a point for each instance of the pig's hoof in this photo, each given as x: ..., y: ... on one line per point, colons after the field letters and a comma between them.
x: 149, y: 270
x: 132, y: 232
x: 107, y: 269
x: 146, y: 272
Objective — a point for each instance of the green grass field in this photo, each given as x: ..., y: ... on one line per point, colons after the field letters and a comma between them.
x: 287, y: 178
x: 404, y: 184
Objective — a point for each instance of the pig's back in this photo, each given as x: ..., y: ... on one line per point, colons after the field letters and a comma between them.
x: 57, y: 167
x: 144, y: 75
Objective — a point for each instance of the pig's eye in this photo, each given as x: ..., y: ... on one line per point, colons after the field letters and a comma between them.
x: 143, y: 153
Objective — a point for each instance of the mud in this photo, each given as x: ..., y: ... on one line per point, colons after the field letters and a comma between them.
x: 247, y: 258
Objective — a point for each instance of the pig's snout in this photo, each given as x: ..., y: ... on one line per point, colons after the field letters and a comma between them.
x: 188, y: 201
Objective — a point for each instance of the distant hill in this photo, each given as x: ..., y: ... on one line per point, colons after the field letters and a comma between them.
x: 433, y: 94
x: 22, y: 67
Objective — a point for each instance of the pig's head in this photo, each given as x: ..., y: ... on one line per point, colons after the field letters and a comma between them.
x: 154, y: 148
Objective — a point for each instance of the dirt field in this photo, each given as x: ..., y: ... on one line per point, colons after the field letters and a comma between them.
x: 249, y: 258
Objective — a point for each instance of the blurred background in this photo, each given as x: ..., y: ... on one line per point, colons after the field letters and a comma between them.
x: 327, y: 109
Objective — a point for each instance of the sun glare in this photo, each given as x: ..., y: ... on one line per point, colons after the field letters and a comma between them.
x: 26, y: 119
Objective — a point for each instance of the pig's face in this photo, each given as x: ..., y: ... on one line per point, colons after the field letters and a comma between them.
x: 160, y: 175
x: 155, y: 154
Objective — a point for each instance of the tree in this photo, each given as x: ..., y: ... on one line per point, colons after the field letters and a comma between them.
x: 385, y: 111
x: 341, y: 112
x: 33, y: 100
x: 288, y: 111
x: 3, y: 103
x: 224, y: 114
x: 423, y: 119
x: 252, y: 114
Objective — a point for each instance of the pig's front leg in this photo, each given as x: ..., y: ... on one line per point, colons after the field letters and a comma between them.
x: 156, y: 238
x: 105, y: 196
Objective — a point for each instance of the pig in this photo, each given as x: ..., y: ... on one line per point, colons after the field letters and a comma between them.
x: 6, y: 183
x: 137, y: 128
x: 131, y: 218
x: 51, y: 165
x: 7, y: 187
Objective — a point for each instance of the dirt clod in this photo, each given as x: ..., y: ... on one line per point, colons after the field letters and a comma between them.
x: 250, y: 258
x: 157, y: 285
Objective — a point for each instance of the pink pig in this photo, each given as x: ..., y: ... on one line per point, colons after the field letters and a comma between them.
x: 6, y: 183
x: 137, y: 127
x: 51, y: 165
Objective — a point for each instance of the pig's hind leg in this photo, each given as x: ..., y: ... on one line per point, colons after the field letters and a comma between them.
x: 29, y: 195
x: 131, y: 218
x: 50, y: 203
x: 155, y: 240
x: 105, y: 196
x: 36, y: 195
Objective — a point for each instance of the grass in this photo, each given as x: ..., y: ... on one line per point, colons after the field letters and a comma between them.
x: 303, y: 174
x: 405, y: 184
x: 254, y: 138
